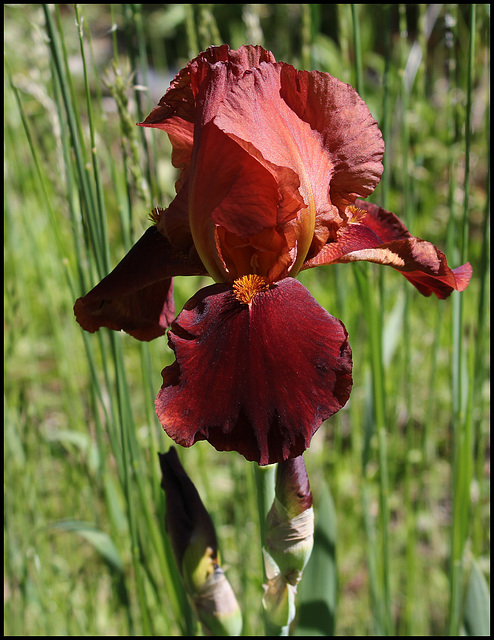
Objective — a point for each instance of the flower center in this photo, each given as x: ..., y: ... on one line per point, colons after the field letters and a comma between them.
x: 356, y: 214
x: 246, y: 287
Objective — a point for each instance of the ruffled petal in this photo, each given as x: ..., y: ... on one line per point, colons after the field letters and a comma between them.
x: 137, y: 296
x: 349, y: 134
x: 313, y: 124
x: 302, y: 146
x: 177, y: 110
x: 256, y: 378
x: 380, y: 237
x: 173, y: 222
x: 180, y: 98
x: 385, y: 224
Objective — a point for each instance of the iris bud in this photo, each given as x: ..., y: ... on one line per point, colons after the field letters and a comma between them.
x: 290, y: 521
x: 195, y: 547
x: 288, y: 542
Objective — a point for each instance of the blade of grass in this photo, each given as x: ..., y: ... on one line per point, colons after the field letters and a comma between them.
x: 462, y: 465
x: 406, y: 88
x: 191, y: 31
x: 373, y: 314
x: 371, y: 311
x: 482, y: 349
x: 476, y: 613
x: 98, y: 187
x: 59, y: 57
x: 317, y: 593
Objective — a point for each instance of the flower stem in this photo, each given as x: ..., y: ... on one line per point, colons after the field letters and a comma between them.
x: 265, y: 479
x: 265, y: 483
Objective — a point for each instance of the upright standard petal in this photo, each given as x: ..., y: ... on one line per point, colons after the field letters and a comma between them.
x: 256, y: 374
x: 301, y: 146
x: 235, y: 206
x: 378, y: 236
x: 315, y: 125
x: 178, y: 111
x: 229, y: 193
x: 137, y: 296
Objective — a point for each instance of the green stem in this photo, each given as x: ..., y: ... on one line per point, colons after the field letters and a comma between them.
x: 265, y: 481
x: 265, y: 484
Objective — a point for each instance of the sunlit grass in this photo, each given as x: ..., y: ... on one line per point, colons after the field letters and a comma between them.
x: 405, y: 462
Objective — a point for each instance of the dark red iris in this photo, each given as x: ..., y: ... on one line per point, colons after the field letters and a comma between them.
x: 273, y: 165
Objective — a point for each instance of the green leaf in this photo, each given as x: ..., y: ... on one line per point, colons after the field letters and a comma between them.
x: 476, y: 613
x: 317, y: 591
x: 100, y: 540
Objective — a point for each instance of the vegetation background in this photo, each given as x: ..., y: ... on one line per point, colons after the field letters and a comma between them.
x: 400, y: 477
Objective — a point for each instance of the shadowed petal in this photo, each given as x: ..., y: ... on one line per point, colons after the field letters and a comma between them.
x: 136, y: 296
x: 380, y: 237
x: 232, y: 191
x: 256, y: 378
x: 173, y: 222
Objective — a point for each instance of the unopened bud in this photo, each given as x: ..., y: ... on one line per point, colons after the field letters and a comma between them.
x: 278, y: 599
x: 195, y: 548
x: 217, y: 607
x: 290, y: 521
x: 292, y: 486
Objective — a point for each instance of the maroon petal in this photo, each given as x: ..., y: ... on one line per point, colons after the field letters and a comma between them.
x: 380, y: 237
x: 385, y: 224
x: 256, y: 378
x: 137, y: 296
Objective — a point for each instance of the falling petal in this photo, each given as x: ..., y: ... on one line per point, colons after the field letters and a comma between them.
x: 137, y: 296
x: 257, y: 377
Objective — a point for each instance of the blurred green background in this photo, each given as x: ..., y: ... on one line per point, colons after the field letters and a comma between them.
x: 400, y: 477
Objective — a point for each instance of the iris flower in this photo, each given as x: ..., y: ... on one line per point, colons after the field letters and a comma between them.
x: 273, y: 165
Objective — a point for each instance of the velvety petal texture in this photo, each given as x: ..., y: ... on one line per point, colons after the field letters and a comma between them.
x: 379, y: 236
x: 257, y: 378
x: 137, y: 296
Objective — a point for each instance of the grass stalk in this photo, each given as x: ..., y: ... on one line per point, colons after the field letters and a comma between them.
x: 373, y: 314
x: 357, y: 50
x: 100, y: 202
x: 462, y: 462
x: 410, y: 576
x: 123, y: 444
x: 190, y: 25
x: 480, y: 364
